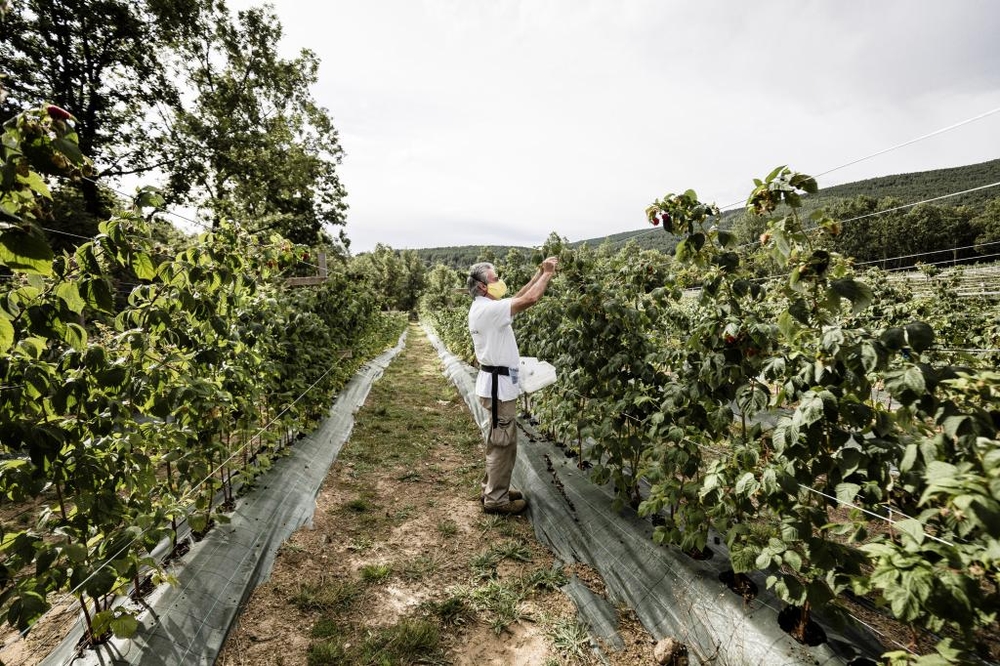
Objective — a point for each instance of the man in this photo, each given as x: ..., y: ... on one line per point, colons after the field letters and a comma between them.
x: 490, y: 319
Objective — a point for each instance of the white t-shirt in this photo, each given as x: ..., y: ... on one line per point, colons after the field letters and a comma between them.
x: 490, y: 325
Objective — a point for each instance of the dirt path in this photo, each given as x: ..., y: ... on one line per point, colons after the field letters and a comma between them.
x: 402, y: 566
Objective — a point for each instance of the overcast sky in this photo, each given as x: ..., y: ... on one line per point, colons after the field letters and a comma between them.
x: 475, y: 122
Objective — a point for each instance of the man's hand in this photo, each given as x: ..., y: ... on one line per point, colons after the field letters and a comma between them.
x: 530, y: 294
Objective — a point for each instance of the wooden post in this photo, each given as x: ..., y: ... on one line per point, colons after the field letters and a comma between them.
x: 319, y: 278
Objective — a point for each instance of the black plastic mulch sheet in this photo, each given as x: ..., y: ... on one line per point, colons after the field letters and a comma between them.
x: 188, y: 623
x: 672, y: 594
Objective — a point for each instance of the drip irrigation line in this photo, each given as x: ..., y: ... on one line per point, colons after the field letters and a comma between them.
x: 930, y: 200
x: 935, y: 263
x: 877, y: 153
x: 897, y: 146
x: 873, y: 514
x: 924, y: 254
x: 775, y: 276
x: 883, y: 636
x: 912, y: 141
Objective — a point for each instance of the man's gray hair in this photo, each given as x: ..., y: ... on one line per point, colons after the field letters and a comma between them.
x: 478, y: 273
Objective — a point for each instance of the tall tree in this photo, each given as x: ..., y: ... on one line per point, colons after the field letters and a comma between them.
x: 398, y: 275
x: 443, y: 288
x: 251, y: 143
x: 987, y: 226
x: 99, y: 60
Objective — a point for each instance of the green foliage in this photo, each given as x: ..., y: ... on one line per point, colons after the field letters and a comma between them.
x: 399, y: 274
x: 461, y: 257
x: 101, y: 63
x: 452, y: 325
x: 251, y: 143
x: 782, y: 412
x: 444, y: 288
x: 123, y: 416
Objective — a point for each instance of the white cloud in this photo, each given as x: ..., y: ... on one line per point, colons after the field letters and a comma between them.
x: 469, y: 122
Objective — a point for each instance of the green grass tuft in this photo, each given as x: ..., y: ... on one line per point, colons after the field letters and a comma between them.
x: 408, y: 642
x: 570, y: 638
x: 376, y: 573
x: 325, y: 628
x: 325, y: 653
x: 325, y: 595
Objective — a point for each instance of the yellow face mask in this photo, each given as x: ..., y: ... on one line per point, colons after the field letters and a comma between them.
x: 497, y: 289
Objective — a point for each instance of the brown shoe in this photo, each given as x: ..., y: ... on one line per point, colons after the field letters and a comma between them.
x: 512, y: 494
x: 508, y: 509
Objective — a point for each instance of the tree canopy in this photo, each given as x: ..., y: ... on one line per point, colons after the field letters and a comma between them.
x: 187, y: 95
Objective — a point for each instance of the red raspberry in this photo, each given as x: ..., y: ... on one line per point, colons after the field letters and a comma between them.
x: 57, y: 113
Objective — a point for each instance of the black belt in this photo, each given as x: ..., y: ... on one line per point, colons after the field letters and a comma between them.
x: 495, y: 371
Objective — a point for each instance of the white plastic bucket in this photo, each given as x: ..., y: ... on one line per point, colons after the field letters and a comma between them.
x: 535, y: 374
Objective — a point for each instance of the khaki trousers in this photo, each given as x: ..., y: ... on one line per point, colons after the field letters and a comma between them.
x: 501, y: 451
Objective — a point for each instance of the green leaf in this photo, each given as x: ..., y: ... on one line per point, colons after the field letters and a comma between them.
x: 912, y: 528
x: 70, y: 295
x: 198, y: 522
x: 953, y: 425
x: 124, y: 626
x: 858, y: 293
x: 792, y: 559
x: 747, y: 484
x: 36, y: 183
x: 869, y: 356
x: 832, y: 339
x: 148, y: 197
x: 810, y: 409
x: 97, y: 294
x: 800, y: 310
x: 948, y: 651
x: 774, y: 174
x: 744, y: 559
x: 846, y: 492
x: 25, y: 252
x: 6, y: 335
x: 910, y: 379
x: 101, y: 622
x: 75, y: 552
x: 68, y: 148
x: 787, y: 325
x: 939, y: 470
x: 25, y: 609
x: 919, y: 335
x: 893, y: 338
x: 75, y: 336
x: 143, y: 267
